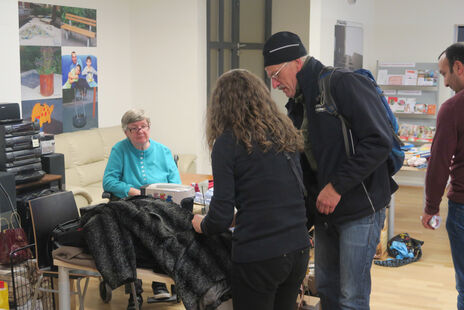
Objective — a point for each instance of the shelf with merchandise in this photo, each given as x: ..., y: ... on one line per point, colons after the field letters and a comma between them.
x: 409, y: 87
x: 411, y: 90
x: 416, y: 134
x: 416, y: 156
x: 414, y: 115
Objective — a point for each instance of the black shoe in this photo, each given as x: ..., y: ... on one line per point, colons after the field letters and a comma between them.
x: 160, y: 290
x: 131, y: 303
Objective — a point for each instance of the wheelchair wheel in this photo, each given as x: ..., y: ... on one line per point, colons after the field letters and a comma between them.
x: 105, y: 292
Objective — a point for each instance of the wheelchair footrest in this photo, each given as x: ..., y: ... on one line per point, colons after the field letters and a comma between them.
x: 152, y: 300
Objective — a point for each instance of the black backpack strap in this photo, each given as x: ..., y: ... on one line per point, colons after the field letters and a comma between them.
x: 295, y: 172
x: 327, y: 103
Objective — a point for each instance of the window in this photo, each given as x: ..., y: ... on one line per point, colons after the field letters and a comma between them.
x: 236, y: 32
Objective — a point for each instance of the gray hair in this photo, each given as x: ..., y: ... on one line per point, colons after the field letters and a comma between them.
x: 132, y: 116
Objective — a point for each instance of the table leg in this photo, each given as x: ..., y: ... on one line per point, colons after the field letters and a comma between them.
x: 391, y: 217
x: 64, y: 288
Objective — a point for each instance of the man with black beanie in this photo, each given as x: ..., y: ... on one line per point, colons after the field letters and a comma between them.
x: 347, y: 192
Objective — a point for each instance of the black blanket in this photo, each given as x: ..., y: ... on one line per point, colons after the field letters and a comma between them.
x: 200, y: 265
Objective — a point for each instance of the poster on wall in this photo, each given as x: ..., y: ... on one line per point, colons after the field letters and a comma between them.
x: 40, y: 72
x: 39, y: 24
x: 348, y: 45
x: 59, y: 66
x: 459, y: 33
x: 80, y: 88
x: 48, y: 113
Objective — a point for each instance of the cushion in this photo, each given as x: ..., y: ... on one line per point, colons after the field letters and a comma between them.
x: 86, y: 146
x: 110, y: 136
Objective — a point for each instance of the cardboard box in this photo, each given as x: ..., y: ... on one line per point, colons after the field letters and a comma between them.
x: 381, y: 251
x: 310, y: 303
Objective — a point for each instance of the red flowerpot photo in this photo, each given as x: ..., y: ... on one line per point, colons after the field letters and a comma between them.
x: 46, y: 84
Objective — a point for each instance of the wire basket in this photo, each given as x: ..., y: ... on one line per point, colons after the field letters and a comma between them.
x: 22, y: 279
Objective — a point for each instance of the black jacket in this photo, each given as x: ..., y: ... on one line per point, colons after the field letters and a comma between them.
x: 270, y: 220
x: 357, y: 100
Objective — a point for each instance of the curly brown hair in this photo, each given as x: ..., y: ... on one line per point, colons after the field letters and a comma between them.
x: 242, y: 103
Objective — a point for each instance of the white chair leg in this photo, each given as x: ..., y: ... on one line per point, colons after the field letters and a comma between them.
x: 64, y: 290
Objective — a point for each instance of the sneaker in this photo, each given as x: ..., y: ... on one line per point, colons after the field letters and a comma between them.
x: 160, y: 290
x: 131, y: 303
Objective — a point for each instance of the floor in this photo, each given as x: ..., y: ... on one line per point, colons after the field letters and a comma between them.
x: 426, y: 284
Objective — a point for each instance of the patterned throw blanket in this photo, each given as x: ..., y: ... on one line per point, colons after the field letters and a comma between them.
x: 200, y: 265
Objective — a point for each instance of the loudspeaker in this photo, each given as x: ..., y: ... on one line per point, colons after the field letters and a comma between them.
x: 7, y: 191
x: 54, y: 164
x: 9, y: 111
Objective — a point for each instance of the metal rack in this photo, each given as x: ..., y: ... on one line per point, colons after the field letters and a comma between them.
x: 22, y: 279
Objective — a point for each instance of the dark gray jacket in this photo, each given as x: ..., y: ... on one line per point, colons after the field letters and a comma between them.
x: 200, y: 265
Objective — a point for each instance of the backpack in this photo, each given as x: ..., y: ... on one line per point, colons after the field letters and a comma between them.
x: 327, y: 104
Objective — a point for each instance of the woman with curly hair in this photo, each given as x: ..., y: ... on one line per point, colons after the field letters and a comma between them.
x: 255, y: 160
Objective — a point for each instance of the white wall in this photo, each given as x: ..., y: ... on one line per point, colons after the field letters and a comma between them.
x: 10, y: 87
x: 113, y: 51
x: 169, y: 70
x: 293, y: 16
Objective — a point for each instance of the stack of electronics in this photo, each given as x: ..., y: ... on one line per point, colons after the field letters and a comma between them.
x: 20, y: 149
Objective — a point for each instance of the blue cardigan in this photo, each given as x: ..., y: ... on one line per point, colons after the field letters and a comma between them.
x: 128, y: 167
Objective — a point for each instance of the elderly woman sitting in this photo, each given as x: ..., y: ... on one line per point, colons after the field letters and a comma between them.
x: 137, y: 161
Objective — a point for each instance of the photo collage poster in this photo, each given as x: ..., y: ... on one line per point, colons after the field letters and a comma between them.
x: 59, y: 66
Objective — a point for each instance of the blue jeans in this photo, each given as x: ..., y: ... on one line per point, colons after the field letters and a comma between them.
x: 343, y: 260
x: 455, y: 228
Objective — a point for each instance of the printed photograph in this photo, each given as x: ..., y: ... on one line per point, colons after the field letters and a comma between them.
x: 40, y: 72
x: 79, y: 26
x: 348, y: 49
x: 79, y: 70
x: 47, y: 113
x: 39, y: 24
x: 80, y: 109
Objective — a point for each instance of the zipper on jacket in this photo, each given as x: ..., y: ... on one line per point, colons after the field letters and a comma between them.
x: 362, y: 182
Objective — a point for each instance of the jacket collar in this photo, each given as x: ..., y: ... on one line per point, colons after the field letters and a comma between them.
x: 307, y: 78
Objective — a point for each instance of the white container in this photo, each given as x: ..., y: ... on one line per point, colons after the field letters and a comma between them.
x: 169, y: 191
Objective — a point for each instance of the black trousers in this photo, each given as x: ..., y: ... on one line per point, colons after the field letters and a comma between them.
x: 269, y: 284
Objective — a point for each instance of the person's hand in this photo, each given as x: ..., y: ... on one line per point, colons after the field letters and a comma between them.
x: 425, y: 219
x: 327, y: 200
x: 134, y: 192
x: 196, y: 223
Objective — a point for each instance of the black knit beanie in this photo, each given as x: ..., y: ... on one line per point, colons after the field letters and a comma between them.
x: 282, y: 47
